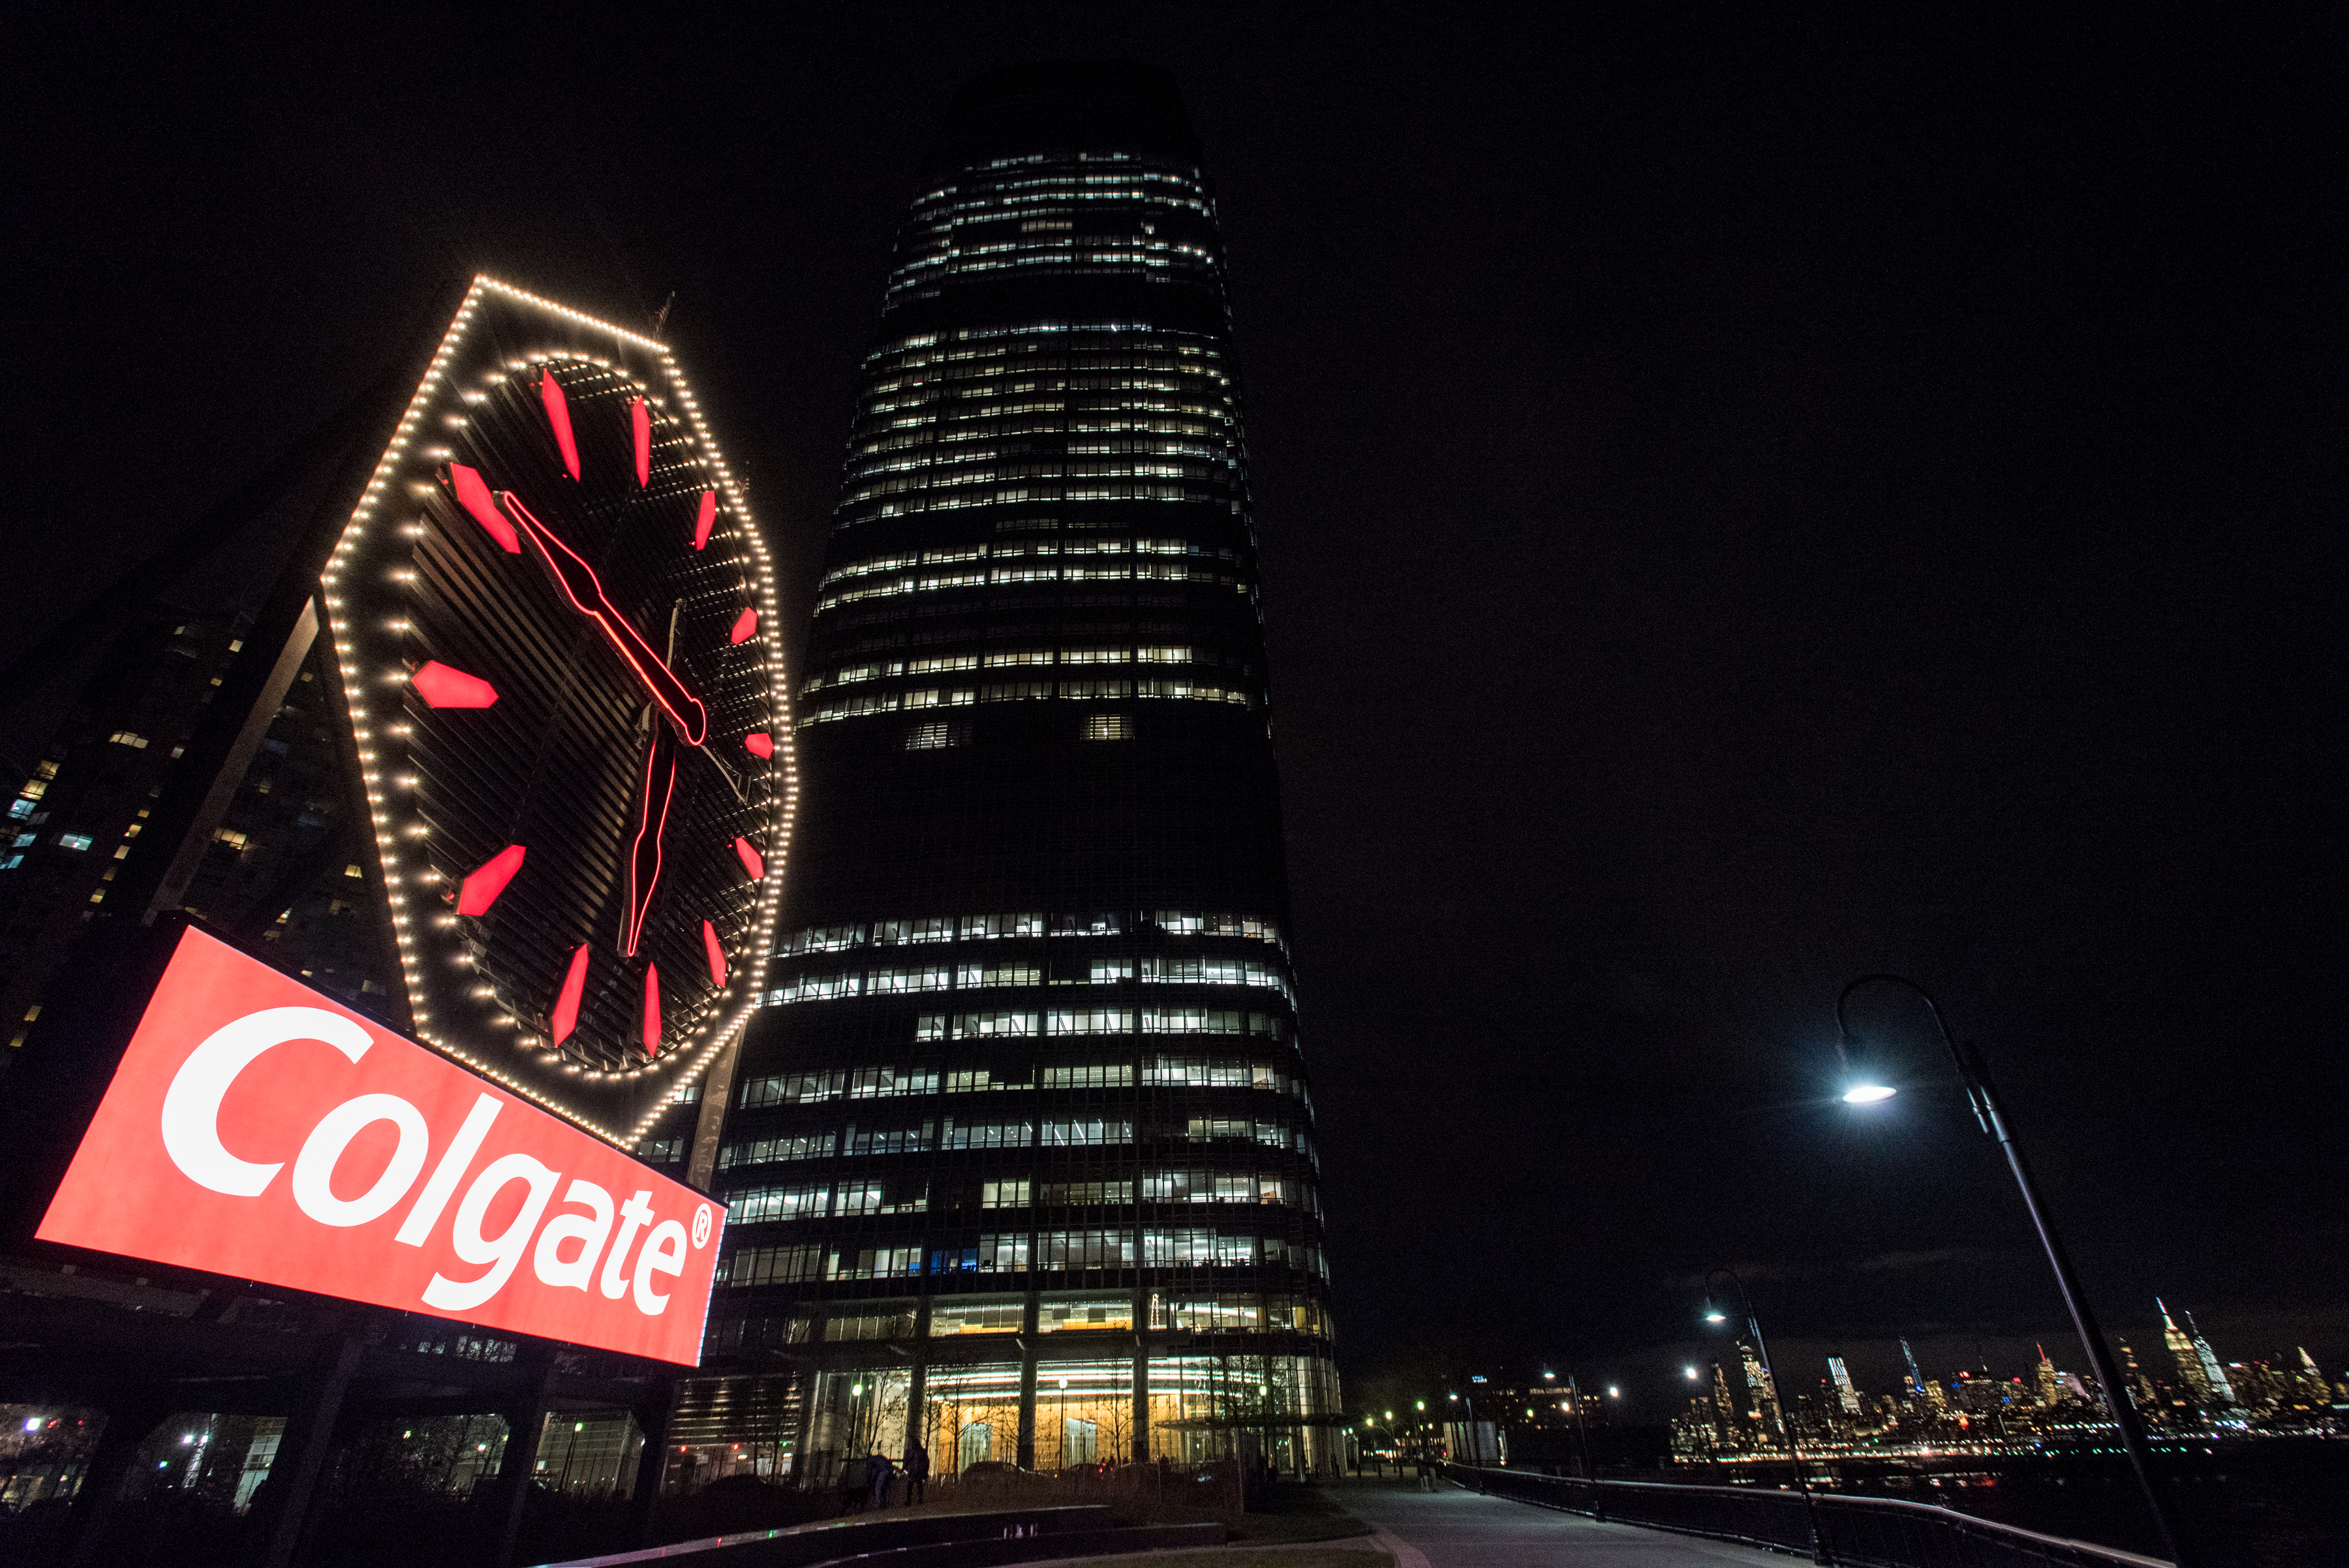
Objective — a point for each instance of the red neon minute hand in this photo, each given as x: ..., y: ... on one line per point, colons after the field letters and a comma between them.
x: 585, y: 590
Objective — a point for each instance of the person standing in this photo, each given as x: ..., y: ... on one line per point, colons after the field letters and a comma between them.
x: 917, y: 1472
x: 881, y: 1470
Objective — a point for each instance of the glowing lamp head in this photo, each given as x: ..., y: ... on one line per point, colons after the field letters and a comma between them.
x: 1714, y: 1314
x: 1863, y: 1083
x: 1692, y: 1373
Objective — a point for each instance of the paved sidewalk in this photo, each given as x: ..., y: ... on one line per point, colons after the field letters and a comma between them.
x: 1453, y: 1528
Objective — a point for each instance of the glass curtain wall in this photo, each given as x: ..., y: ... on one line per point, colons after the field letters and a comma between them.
x: 1021, y: 1156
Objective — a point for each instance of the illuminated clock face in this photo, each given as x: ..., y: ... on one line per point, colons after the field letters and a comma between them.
x: 555, y: 626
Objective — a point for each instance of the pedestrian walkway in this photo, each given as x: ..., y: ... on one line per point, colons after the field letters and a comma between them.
x: 1451, y: 1528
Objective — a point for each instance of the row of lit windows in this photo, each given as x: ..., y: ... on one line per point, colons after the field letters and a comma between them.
x: 1049, y: 418
x: 1018, y: 484
x: 1135, y: 333
x: 956, y: 1315
x: 1175, y: 689
x: 953, y: 1135
x: 1109, y: 366
x: 1187, y: 969
x: 1080, y: 1132
x: 1017, y: 657
x: 1172, y: 459
x: 1157, y: 1186
x: 822, y: 1084
x: 945, y: 258
x: 1047, y: 1251
x: 923, y: 1138
x: 1085, y: 349
x: 974, y: 196
x: 1058, y: 1251
x: 1092, y: 363
x: 998, y: 926
x: 1012, y: 1023
x: 871, y: 564
x: 936, y: 582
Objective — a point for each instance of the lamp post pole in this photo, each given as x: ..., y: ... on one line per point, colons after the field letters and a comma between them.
x: 1974, y: 1074
x: 1589, y: 1465
x: 1785, y: 1425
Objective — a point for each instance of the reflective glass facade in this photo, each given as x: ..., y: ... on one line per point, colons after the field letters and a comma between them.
x: 1020, y: 1156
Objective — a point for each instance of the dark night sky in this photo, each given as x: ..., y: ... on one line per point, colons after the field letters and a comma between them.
x: 1748, y: 498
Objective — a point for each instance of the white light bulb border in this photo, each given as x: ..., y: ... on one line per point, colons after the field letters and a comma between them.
x: 718, y: 1024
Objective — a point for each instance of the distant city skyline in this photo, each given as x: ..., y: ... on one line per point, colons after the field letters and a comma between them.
x: 2185, y: 1387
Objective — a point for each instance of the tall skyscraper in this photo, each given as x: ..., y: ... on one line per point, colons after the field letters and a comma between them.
x: 1763, y: 1386
x: 1916, y: 1378
x: 2051, y: 1382
x: 2195, y: 1364
x: 2140, y: 1389
x: 1019, y: 1159
x: 2213, y: 1370
x: 1845, y: 1395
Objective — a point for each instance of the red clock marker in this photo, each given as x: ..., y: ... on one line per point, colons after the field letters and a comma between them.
x: 703, y: 519
x: 558, y: 414
x: 652, y: 1009
x: 475, y: 498
x: 751, y: 860
x: 716, y: 955
x: 640, y: 422
x: 759, y: 744
x: 567, y: 1004
x: 746, y: 626
x: 480, y: 889
x: 441, y: 687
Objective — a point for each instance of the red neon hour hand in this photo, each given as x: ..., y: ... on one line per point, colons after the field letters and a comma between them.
x: 654, y: 797
x: 580, y: 585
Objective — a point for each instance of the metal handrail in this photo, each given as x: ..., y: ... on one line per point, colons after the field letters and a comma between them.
x: 1856, y: 1531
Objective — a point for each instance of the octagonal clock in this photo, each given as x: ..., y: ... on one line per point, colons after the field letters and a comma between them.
x: 555, y: 625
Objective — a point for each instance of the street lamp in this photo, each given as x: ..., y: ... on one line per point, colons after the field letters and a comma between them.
x: 1762, y: 1351
x: 1973, y: 1073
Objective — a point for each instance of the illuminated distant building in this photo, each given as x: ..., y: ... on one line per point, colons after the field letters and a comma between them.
x: 1761, y: 1387
x: 1848, y: 1395
x: 2052, y: 1388
x: 2213, y: 1369
x: 1021, y: 1157
x: 1722, y: 1403
x: 2194, y: 1364
x: 1916, y: 1378
x: 2257, y: 1385
x: 2310, y: 1388
x: 2141, y: 1391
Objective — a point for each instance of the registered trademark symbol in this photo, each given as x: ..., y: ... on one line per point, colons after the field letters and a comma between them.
x: 701, y: 1226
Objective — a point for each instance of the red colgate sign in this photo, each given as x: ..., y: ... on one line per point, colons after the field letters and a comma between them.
x: 258, y: 1128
